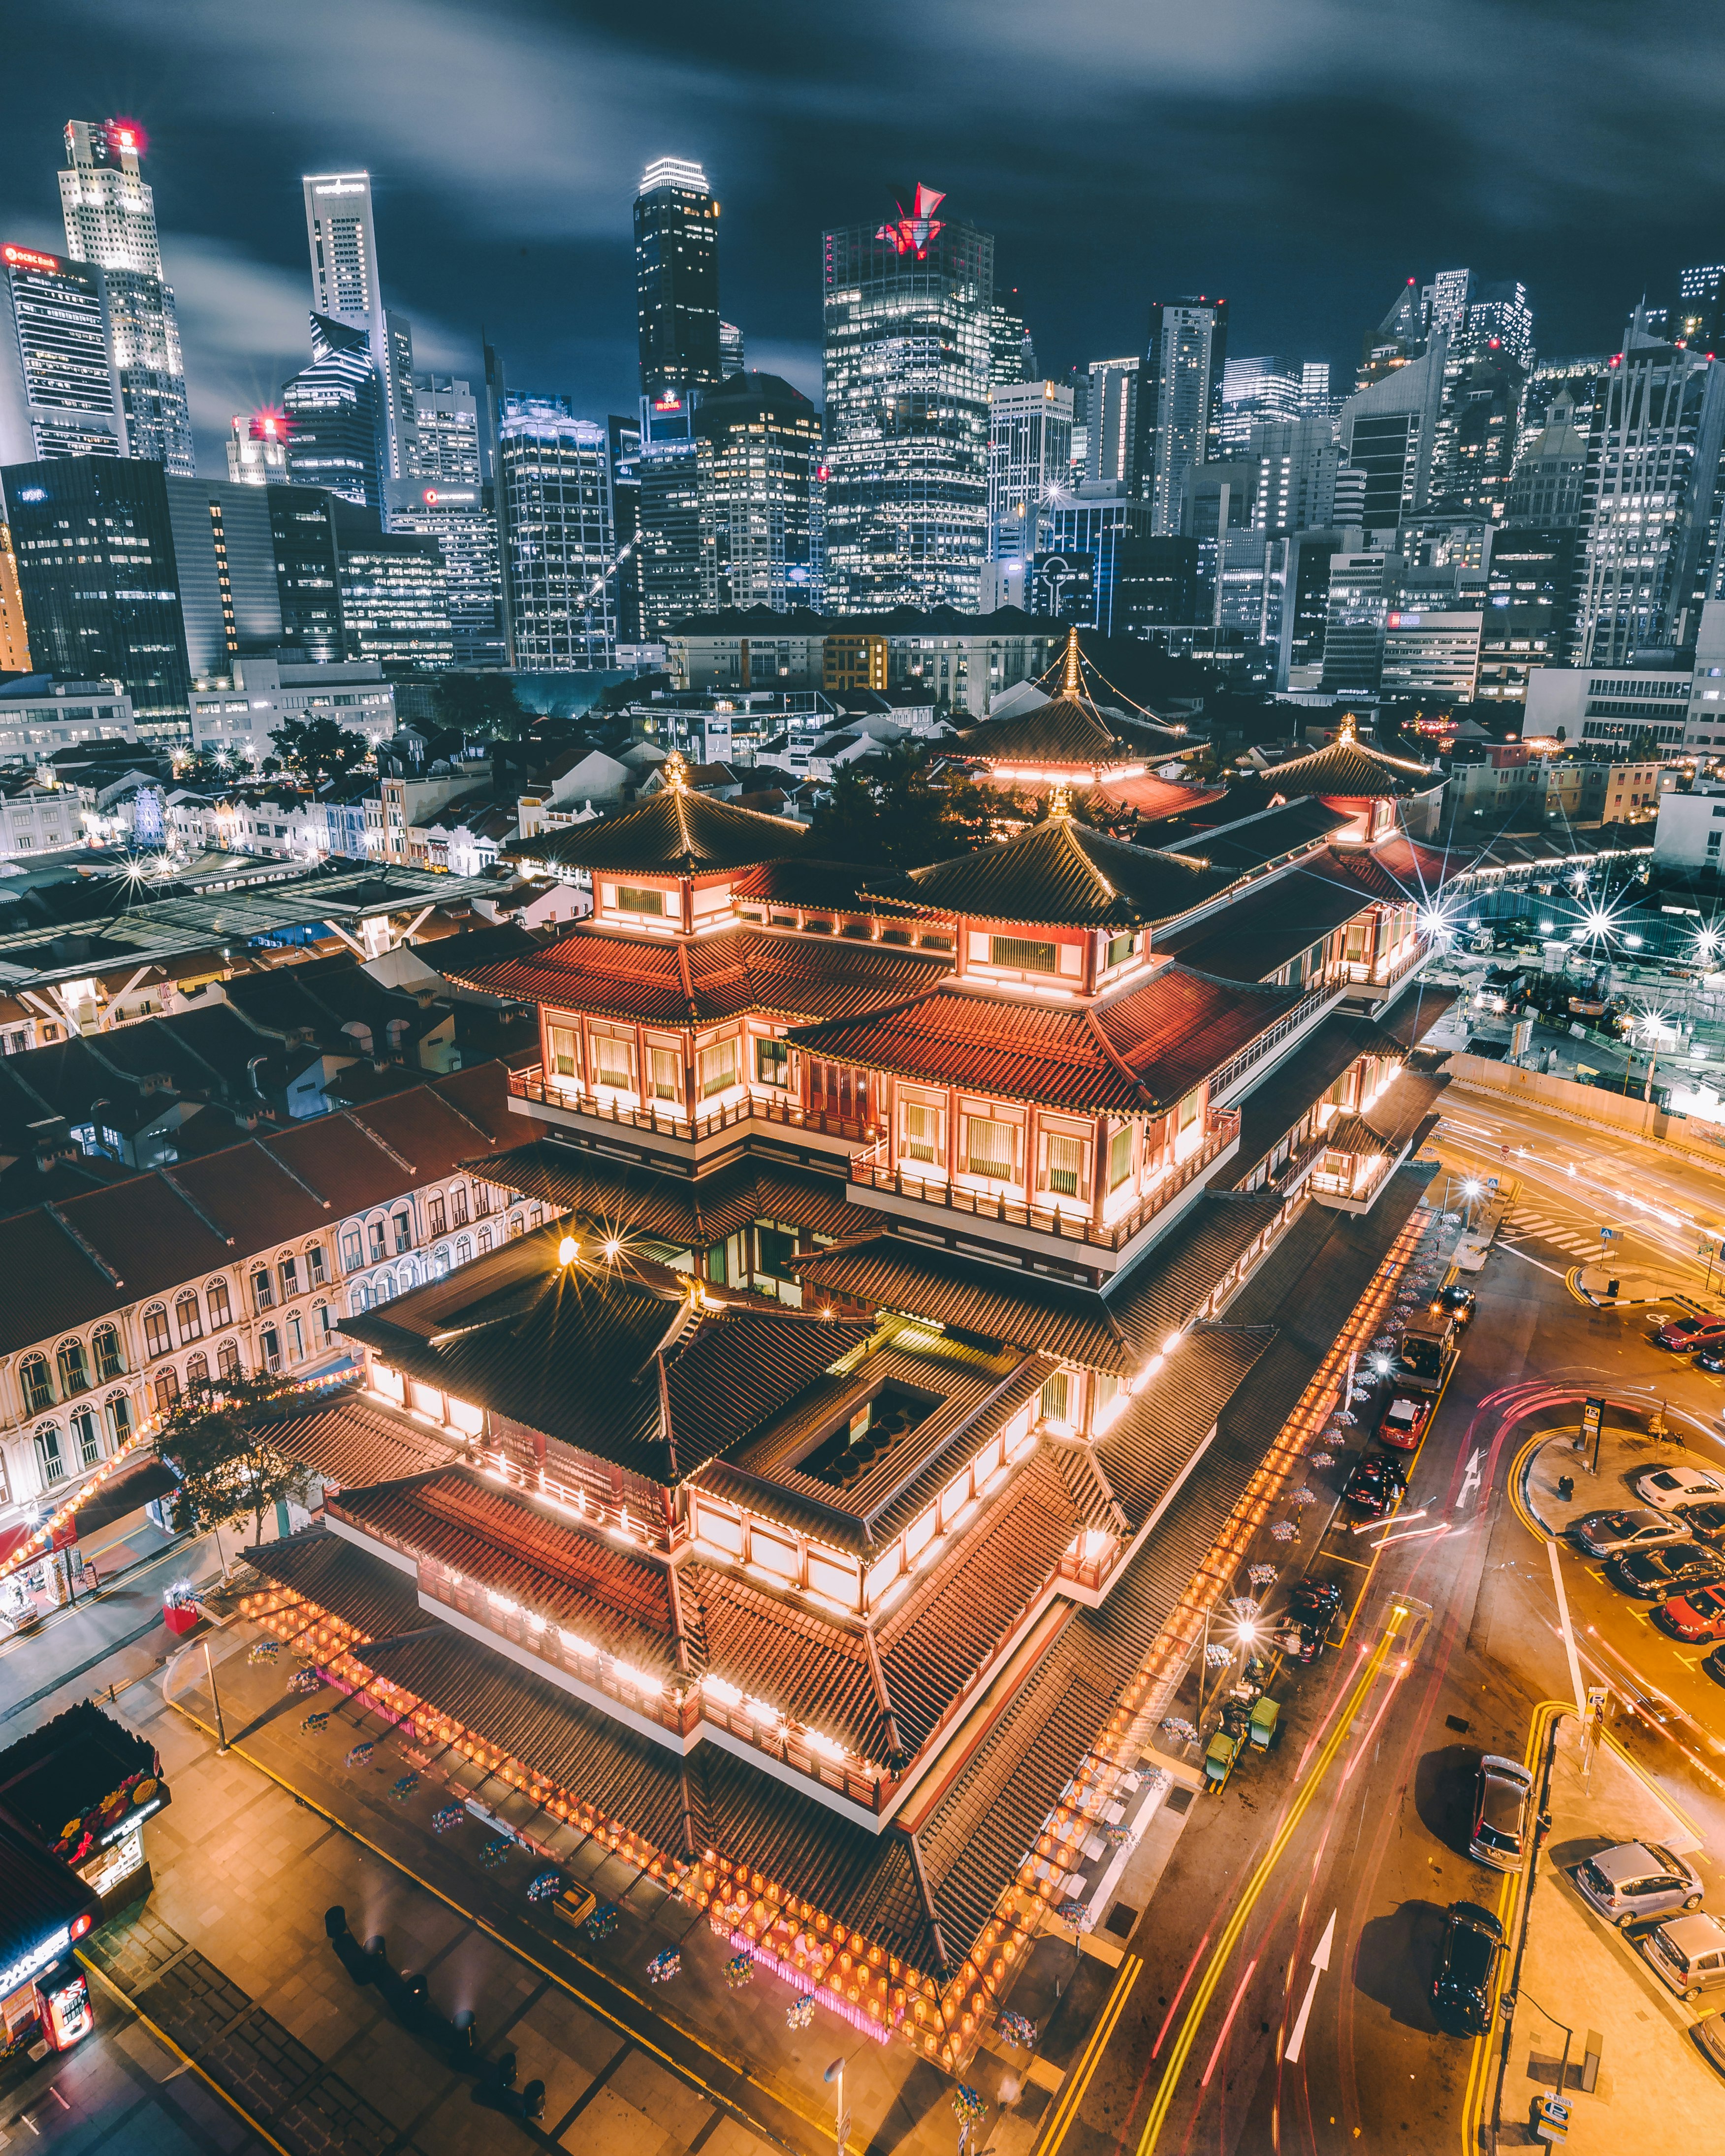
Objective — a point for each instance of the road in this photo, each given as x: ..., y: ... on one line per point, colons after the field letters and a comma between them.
x: 1322, y: 1873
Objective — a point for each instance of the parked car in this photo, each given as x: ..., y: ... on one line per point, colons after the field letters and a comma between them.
x: 1687, y: 1954
x: 1377, y: 1485
x: 1457, y: 1300
x: 1653, y: 1575
x: 1637, y: 1878
x: 1311, y: 1609
x: 1709, y: 2037
x: 1473, y: 1940
x: 1669, y: 1489
x: 1604, y: 1534
x: 1715, y: 1666
x: 1706, y: 1520
x: 1711, y: 1358
x: 1699, y: 1614
x: 1405, y: 1421
x: 1683, y: 1335
x: 1501, y: 1799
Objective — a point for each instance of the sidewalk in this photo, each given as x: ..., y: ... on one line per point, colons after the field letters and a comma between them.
x: 1622, y: 1454
x: 1656, y: 2092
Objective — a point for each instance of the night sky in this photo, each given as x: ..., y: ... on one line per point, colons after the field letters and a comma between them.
x: 1303, y: 157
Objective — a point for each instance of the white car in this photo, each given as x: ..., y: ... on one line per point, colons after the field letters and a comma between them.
x: 1669, y: 1489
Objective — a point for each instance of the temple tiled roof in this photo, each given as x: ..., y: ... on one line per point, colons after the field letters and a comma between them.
x: 1061, y: 871
x: 347, y: 1440
x: 578, y: 1352
x: 676, y: 832
x: 1397, y: 868
x: 1069, y: 731
x: 627, y: 1198
x: 1263, y: 928
x: 1137, y: 1053
x: 1347, y: 769
x: 1152, y: 1445
x: 1244, y: 830
x: 680, y: 983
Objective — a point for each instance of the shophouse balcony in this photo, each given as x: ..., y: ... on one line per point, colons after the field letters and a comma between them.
x: 1347, y: 1183
x: 1369, y: 986
x: 661, y: 1125
x: 897, y: 1186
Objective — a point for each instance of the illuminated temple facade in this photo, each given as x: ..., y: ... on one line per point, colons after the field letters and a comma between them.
x: 808, y: 1511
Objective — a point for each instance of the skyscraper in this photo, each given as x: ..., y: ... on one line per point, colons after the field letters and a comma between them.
x: 1388, y: 432
x: 1029, y: 456
x: 668, y: 552
x: 908, y: 313
x: 447, y: 501
x: 1111, y: 458
x: 60, y: 391
x: 1295, y: 484
x: 110, y: 212
x: 1254, y: 391
x: 1650, y: 500
x: 757, y: 448
x: 556, y: 537
x: 340, y: 236
x: 1699, y: 312
x: 732, y: 358
x: 257, y: 449
x: 1179, y: 402
x: 677, y: 279
x: 1474, y: 442
x: 332, y: 409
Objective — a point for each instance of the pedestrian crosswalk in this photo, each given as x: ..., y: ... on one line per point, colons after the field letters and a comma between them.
x: 1563, y: 1233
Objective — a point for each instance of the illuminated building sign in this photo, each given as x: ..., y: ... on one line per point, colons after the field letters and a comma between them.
x: 126, y: 138
x: 26, y: 258
x: 39, y: 1957
x: 268, y: 425
x: 32, y: 494
x: 911, y: 235
x: 450, y: 497
x: 668, y: 403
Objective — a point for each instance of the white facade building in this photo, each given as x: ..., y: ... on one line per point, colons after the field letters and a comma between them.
x: 1691, y: 830
x: 1029, y: 452
x: 38, y: 715
x: 238, y: 714
x: 1428, y: 653
x: 1610, y: 704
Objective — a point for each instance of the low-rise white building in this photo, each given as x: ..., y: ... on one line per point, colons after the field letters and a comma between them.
x: 1430, y: 653
x: 238, y: 714
x: 39, y: 715
x: 1691, y: 830
x: 1601, y: 704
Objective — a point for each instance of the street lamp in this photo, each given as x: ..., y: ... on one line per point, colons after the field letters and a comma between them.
x: 1471, y: 1189
x: 835, y: 2076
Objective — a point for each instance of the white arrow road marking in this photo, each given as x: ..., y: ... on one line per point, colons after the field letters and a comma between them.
x: 1320, y: 1962
x: 1470, y: 1479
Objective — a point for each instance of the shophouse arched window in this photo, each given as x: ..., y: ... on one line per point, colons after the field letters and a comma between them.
x: 360, y: 1299
x: 485, y: 1240
x: 197, y: 1373
x: 155, y: 1339
x: 109, y: 1360
x: 270, y: 1346
x: 458, y: 1204
x: 35, y: 1383
x: 120, y: 1424
x: 375, y: 1232
x: 263, y: 1292
x: 515, y: 1224
x: 316, y: 1271
x: 188, y: 1316
x: 74, y: 1372
x: 50, y: 1454
x: 167, y: 1391
x: 464, y: 1250
x: 87, y: 1438
x: 353, y: 1250
x: 440, y: 1261
x: 383, y: 1286
x: 323, y: 1327
x: 215, y: 1300
x: 228, y: 1361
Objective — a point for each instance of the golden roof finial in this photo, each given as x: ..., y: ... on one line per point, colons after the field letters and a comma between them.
x: 676, y: 772
x: 1346, y: 731
x: 1071, y: 683
x: 1059, y: 802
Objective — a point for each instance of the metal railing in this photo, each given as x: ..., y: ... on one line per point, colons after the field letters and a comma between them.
x: 1288, y: 1022
x: 876, y: 1170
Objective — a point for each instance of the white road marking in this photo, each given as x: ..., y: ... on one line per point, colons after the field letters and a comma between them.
x: 1320, y: 1962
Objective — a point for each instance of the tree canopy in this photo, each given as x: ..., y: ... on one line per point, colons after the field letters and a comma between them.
x: 221, y: 1444
x: 885, y: 810
x: 480, y: 704
x: 320, y: 749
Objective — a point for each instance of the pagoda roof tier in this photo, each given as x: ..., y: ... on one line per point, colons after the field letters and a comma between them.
x: 1072, y: 734
x: 625, y: 1360
x: 626, y: 1199
x: 1398, y: 869
x: 676, y: 832
x: 1345, y: 769
x: 702, y: 981
x: 1261, y: 928
x: 1137, y: 1053
x: 1063, y: 873
x: 1172, y: 1284
x: 1244, y: 831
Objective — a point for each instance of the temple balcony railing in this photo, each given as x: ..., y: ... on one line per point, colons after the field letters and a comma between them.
x: 664, y: 1123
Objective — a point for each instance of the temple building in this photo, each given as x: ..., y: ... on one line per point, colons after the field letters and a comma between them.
x: 941, y: 1263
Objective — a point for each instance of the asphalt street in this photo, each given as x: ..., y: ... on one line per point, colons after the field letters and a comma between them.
x: 1311, y: 1893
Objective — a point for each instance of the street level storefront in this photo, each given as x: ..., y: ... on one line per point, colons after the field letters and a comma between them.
x: 45, y: 1909
x: 74, y: 1796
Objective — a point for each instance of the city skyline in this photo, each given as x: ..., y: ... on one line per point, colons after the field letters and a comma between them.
x: 1237, y: 163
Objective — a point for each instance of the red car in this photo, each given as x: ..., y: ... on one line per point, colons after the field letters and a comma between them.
x: 1683, y: 1335
x: 1405, y: 1421
x: 1697, y: 1613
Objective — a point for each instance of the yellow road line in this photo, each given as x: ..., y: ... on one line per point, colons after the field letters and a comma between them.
x: 822, y: 2124
x: 1078, y: 2081
x: 185, y: 2058
x: 1164, y: 2101
x: 1479, y: 2066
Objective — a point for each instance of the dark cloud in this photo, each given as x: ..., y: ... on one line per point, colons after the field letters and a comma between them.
x: 1303, y: 156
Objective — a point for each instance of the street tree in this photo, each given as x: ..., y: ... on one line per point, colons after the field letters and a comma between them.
x: 319, y: 750
x: 222, y: 1444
